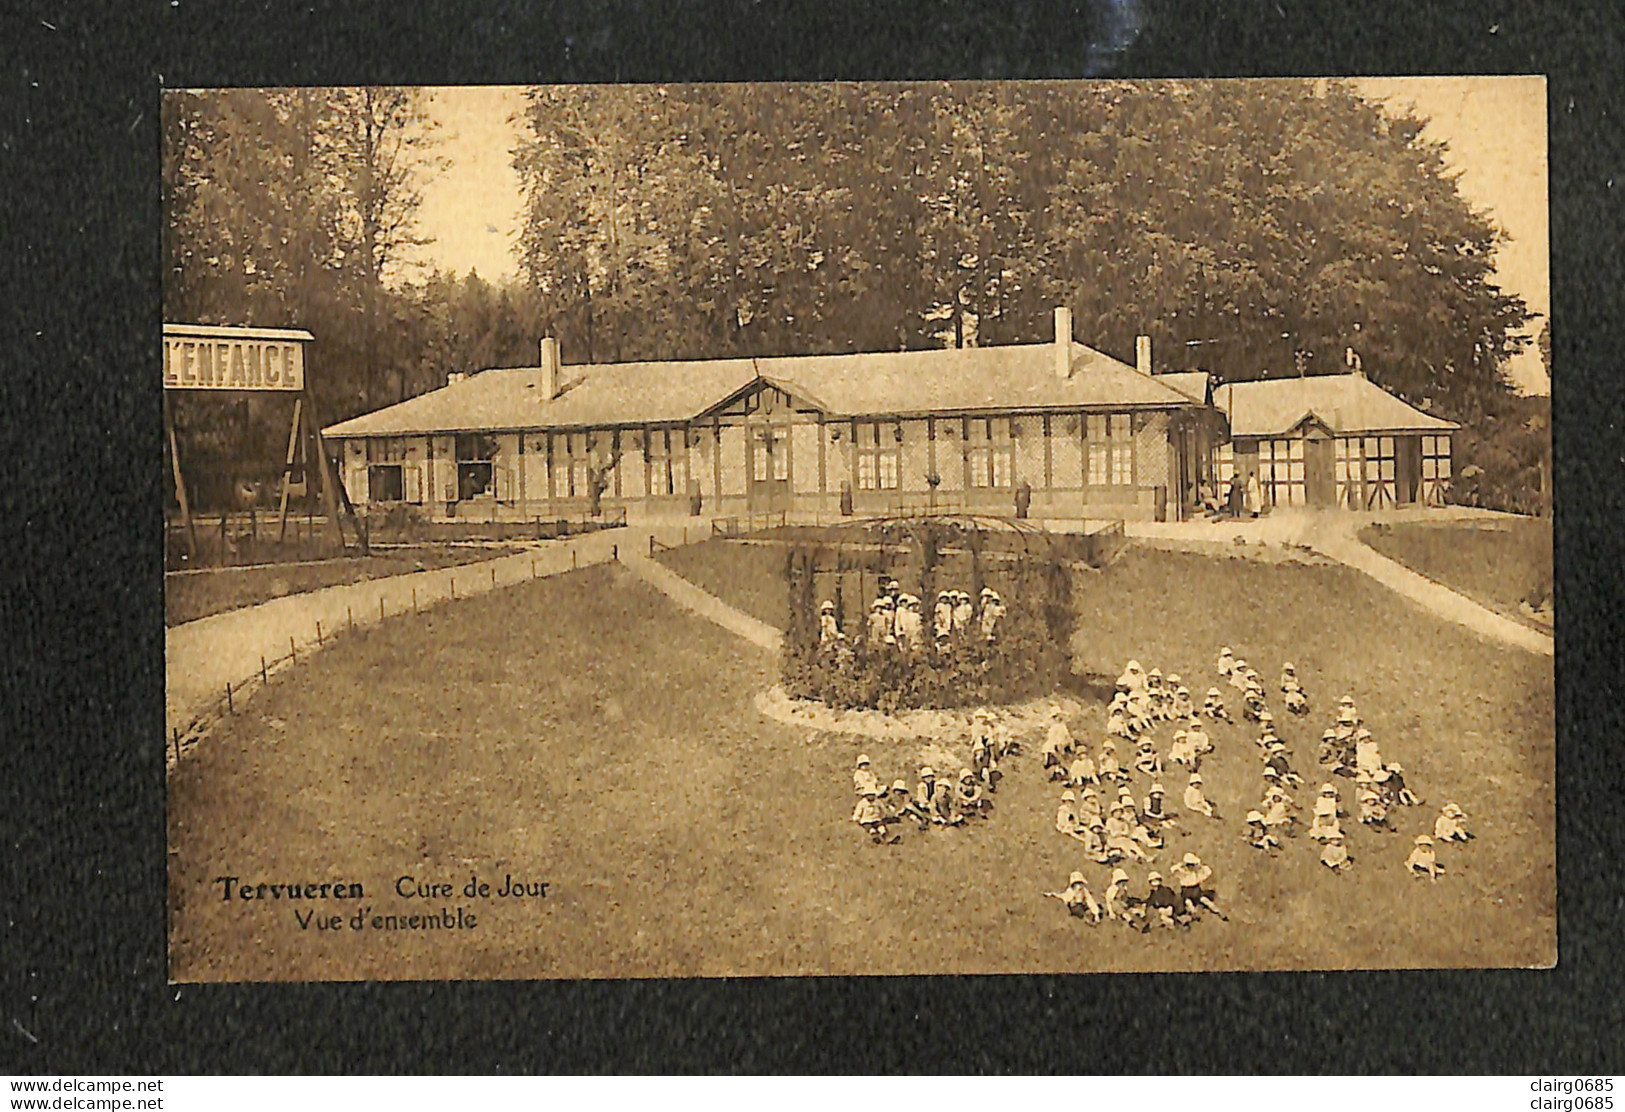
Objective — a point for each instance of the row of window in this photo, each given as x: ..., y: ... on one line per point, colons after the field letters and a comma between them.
x: 990, y: 451
x: 1364, y: 470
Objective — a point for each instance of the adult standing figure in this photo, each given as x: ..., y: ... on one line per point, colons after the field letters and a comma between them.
x: 1255, y: 495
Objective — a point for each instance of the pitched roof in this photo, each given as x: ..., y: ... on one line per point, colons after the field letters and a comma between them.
x: 1346, y: 404
x: 955, y: 380
x: 1193, y: 384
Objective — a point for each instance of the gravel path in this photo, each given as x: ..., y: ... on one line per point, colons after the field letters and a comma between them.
x: 1334, y: 535
x: 203, y: 656
x: 702, y: 602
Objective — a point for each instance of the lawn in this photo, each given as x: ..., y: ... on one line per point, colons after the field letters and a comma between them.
x: 750, y: 576
x: 198, y: 594
x: 583, y: 731
x: 1499, y: 562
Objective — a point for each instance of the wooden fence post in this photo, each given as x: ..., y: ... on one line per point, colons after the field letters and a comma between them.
x: 293, y: 653
x: 318, y: 633
x: 230, y: 707
x: 264, y: 679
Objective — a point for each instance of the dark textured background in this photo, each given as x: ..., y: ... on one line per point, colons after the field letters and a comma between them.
x: 82, y: 951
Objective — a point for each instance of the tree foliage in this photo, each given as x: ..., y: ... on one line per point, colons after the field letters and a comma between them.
x: 1252, y: 228
x: 297, y: 208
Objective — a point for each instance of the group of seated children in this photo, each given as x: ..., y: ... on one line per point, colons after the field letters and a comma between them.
x: 1164, y: 905
x: 934, y: 801
x: 1143, y: 699
x: 897, y: 619
x: 1450, y: 826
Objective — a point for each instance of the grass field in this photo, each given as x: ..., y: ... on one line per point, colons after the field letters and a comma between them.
x: 1499, y: 563
x: 749, y: 576
x: 583, y: 731
x: 198, y: 594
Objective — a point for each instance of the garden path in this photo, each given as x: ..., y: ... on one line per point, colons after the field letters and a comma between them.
x: 700, y: 601
x: 203, y: 656
x: 1335, y: 535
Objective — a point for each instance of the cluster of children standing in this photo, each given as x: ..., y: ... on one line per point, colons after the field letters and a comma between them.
x: 897, y: 619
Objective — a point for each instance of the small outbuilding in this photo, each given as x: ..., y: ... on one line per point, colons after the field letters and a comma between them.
x: 1332, y: 440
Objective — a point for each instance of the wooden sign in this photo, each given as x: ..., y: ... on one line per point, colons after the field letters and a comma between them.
x: 220, y: 357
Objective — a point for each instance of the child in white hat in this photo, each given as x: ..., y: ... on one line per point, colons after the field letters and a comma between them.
x: 1108, y: 765
x: 1192, y: 877
x: 1373, y: 808
x: 1117, y: 897
x: 863, y: 777
x: 1335, y: 855
x: 1451, y: 825
x: 1257, y: 835
x: 992, y: 613
x: 1066, y: 816
x: 1080, y: 902
x: 1325, y: 823
x: 1195, y: 801
x: 1423, y: 861
x: 829, y: 631
x: 867, y: 814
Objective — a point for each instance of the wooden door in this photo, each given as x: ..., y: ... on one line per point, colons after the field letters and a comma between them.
x: 1318, y: 473
x: 767, y: 467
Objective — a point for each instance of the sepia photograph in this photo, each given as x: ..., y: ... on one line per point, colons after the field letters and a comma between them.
x: 844, y: 529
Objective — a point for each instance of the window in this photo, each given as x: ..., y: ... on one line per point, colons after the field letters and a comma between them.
x: 1224, y: 468
x: 385, y: 479
x: 569, y: 464
x: 1110, y: 449
x: 1435, y: 470
x: 878, y: 452
x: 1347, y: 469
x: 1281, y: 471
x: 990, y: 452
x: 475, y: 451
x: 385, y: 483
x: 1379, y: 471
x: 668, y: 461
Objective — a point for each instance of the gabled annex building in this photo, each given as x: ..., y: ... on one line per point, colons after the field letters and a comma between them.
x: 1053, y: 429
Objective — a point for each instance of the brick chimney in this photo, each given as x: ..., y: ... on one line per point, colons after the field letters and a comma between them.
x: 1063, y: 342
x: 1142, y: 354
x: 550, y: 367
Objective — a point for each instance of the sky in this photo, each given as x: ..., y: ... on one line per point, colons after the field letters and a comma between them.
x: 1495, y: 128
